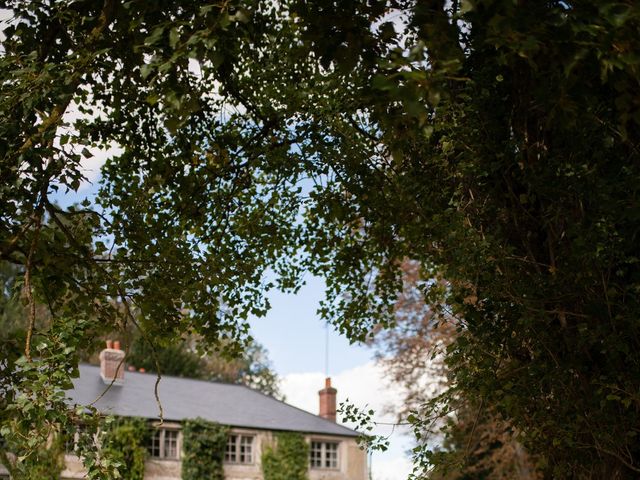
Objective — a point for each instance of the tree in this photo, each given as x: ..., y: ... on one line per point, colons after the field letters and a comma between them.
x: 95, y: 265
x: 493, y: 142
x: 503, y: 158
x: 180, y: 358
x: 475, y: 441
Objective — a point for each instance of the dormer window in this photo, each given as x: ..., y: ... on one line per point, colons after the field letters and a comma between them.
x: 324, y: 455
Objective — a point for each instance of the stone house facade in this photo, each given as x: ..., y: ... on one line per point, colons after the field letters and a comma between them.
x: 253, y: 419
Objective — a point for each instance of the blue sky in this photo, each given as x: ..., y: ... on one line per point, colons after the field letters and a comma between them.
x: 296, y: 338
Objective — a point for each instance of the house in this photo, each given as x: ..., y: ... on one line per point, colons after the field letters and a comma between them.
x: 253, y: 418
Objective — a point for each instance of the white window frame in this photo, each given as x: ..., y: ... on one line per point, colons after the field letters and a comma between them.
x: 239, y: 436
x: 161, y: 434
x: 323, y: 442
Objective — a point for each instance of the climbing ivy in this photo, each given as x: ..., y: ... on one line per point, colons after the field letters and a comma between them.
x: 288, y: 460
x: 125, y: 442
x: 203, y: 445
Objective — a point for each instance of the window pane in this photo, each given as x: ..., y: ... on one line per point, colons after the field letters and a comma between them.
x: 331, y: 452
x: 171, y: 444
x: 246, y: 449
x: 154, y: 446
x: 230, y: 452
x: 316, y: 454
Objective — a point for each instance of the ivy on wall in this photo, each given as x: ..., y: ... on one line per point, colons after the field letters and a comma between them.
x: 125, y: 442
x: 203, y: 445
x: 288, y: 460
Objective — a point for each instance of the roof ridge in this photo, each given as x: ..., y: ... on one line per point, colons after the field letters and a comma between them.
x: 177, y: 377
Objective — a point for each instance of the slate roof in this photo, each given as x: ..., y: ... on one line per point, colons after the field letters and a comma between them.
x: 183, y: 398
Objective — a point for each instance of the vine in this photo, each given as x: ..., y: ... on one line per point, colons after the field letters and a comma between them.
x: 288, y: 460
x: 125, y: 443
x: 203, y: 445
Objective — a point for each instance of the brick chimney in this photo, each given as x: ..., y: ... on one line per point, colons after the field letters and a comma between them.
x: 112, y: 363
x: 328, y: 401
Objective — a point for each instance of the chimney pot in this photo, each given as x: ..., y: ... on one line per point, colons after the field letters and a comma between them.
x: 112, y: 364
x: 328, y: 401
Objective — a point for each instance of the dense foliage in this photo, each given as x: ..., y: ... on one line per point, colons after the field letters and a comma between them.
x: 47, y: 462
x: 132, y: 259
x: 125, y: 442
x: 493, y: 142
x: 475, y: 440
x: 11, y: 340
x: 288, y: 459
x: 203, y: 447
x: 510, y: 171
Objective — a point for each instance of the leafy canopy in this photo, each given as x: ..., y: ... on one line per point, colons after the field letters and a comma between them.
x: 493, y: 142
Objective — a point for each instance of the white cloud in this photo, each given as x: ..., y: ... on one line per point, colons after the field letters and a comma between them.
x: 364, y: 385
x: 393, y: 468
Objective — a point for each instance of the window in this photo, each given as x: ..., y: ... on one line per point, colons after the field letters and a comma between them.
x: 239, y: 449
x: 164, y: 444
x: 324, y: 454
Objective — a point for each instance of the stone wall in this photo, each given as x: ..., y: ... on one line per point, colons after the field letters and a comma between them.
x: 352, y: 462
